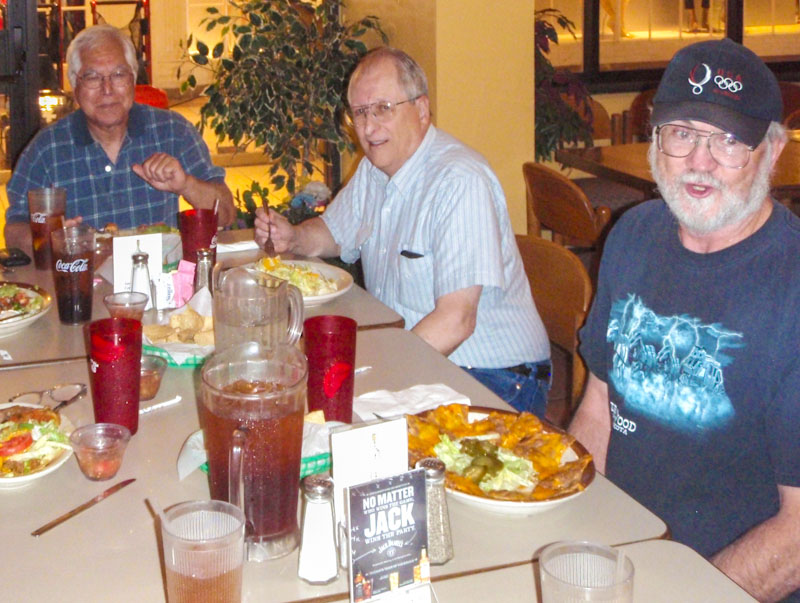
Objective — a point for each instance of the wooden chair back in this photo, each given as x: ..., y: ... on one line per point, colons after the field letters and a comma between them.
x: 558, y: 204
x: 601, y: 121
x: 790, y: 93
x: 562, y: 292
x: 792, y: 121
x: 641, y: 107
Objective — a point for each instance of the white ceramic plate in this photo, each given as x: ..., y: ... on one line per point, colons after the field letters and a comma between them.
x: 341, y: 278
x: 14, y: 325
x: 66, y: 427
x: 512, y: 507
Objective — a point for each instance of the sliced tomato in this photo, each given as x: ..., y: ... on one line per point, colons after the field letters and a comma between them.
x: 16, y: 444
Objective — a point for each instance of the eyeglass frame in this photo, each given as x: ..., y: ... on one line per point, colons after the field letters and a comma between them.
x: 82, y: 390
x: 707, y: 134
x: 110, y: 77
x: 369, y: 110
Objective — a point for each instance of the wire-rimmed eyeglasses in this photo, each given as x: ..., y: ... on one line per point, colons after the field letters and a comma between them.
x: 62, y: 394
x: 121, y: 78
x: 382, y: 111
x: 680, y: 141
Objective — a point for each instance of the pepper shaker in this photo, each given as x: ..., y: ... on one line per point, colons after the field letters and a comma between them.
x: 440, y: 540
x: 318, y: 563
x: 140, y: 277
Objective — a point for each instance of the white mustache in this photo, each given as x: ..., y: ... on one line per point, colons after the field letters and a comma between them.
x: 700, y: 179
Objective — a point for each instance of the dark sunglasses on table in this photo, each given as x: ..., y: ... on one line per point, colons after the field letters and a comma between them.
x: 680, y: 141
x: 121, y: 78
x: 382, y: 111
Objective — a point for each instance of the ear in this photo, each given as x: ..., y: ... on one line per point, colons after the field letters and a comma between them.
x: 423, y: 106
x: 777, y: 149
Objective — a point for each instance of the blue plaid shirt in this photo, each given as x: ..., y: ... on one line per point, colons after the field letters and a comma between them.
x: 65, y: 154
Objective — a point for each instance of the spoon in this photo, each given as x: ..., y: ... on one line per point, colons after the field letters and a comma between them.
x: 269, y: 248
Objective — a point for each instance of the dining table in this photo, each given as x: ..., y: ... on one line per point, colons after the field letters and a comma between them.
x: 48, y: 340
x: 112, y: 550
x: 628, y: 164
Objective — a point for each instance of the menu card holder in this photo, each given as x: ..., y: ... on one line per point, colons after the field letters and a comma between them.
x: 388, y: 536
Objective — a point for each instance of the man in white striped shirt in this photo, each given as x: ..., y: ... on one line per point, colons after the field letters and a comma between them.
x: 428, y: 218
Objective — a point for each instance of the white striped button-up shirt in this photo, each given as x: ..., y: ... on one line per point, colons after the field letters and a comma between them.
x: 441, y: 224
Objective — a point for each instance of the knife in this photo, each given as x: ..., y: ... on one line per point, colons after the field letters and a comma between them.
x: 83, y: 507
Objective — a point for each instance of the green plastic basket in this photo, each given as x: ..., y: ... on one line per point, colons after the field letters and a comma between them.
x: 192, y: 362
x: 309, y: 465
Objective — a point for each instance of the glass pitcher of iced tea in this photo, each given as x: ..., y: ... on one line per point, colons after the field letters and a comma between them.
x: 251, y: 412
x: 250, y: 305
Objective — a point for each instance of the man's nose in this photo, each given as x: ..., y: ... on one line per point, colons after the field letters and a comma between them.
x: 700, y: 158
x: 105, y: 84
x: 370, y: 122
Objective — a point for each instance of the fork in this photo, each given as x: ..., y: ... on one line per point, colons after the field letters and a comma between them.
x: 269, y: 247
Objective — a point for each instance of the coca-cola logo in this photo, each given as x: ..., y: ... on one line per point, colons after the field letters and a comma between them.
x: 38, y: 217
x: 79, y: 265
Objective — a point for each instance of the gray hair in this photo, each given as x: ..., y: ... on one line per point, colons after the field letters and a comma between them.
x: 92, y: 37
x: 410, y: 74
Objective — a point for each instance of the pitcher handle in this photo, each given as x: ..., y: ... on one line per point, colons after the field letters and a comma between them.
x: 236, y: 469
x: 296, y: 315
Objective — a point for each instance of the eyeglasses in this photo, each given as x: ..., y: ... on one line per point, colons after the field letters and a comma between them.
x: 63, y: 394
x: 121, y: 78
x: 382, y: 111
x: 681, y: 141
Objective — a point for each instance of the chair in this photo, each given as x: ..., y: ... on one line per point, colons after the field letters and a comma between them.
x: 790, y: 94
x: 558, y: 204
x: 641, y: 107
x: 562, y: 292
x: 148, y: 95
x: 792, y: 121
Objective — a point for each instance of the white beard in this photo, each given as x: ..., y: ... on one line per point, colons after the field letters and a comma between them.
x: 696, y: 215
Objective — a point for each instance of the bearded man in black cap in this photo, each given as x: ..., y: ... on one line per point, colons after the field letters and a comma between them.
x: 692, y: 340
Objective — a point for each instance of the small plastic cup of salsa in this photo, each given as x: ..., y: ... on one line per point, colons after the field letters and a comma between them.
x: 152, y: 371
x: 99, y: 448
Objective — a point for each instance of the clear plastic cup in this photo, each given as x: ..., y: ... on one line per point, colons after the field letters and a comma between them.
x: 203, y: 552
x: 573, y: 572
x: 126, y: 304
x: 99, y: 448
x: 153, y: 368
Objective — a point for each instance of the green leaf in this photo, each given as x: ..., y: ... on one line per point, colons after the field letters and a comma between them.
x: 202, y: 48
x: 191, y: 80
x: 200, y: 59
x: 217, y: 52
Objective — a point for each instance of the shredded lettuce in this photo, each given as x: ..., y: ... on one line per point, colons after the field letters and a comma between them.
x: 309, y: 281
x: 450, y: 453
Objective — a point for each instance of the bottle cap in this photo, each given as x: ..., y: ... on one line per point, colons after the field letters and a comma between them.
x: 140, y: 257
x: 434, y: 468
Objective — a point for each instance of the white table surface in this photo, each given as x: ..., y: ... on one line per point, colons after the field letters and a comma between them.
x: 664, y: 572
x: 47, y: 340
x: 111, y: 551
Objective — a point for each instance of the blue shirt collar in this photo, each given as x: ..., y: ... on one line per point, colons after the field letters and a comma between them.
x: 80, y: 127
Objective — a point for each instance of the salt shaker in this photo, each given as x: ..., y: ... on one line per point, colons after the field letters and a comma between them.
x: 318, y: 563
x: 140, y: 277
x: 440, y: 540
x: 202, y: 272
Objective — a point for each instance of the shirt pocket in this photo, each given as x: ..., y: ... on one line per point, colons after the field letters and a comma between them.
x: 415, y: 285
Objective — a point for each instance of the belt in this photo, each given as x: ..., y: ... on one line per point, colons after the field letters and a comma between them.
x: 542, y: 370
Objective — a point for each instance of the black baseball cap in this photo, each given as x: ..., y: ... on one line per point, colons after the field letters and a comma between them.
x: 721, y: 83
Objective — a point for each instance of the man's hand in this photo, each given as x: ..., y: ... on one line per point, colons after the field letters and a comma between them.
x: 282, y: 232
x: 310, y: 238
x: 163, y: 172
x: 591, y: 424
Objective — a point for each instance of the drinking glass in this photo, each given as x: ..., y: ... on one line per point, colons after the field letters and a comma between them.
x: 198, y: 229
x: 203, y: 552
x: 46, y: 207
x: 330, y: 343
x: 573, y: 572
x: 73, y: 272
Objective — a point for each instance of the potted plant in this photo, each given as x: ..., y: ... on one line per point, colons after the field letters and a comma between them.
x: 558, y: 121
x: 278, y: 83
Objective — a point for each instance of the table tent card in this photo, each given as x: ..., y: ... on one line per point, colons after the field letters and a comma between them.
x: 388, y: 538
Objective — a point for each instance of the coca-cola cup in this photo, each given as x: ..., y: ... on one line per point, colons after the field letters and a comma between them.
x: 73, y: 272
x: 115, y: 360
x: 46, y: 207
x: 330, y: 343
x: 198, y: 230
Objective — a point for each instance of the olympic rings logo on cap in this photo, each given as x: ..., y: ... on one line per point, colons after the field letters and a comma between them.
x: 726, y: 83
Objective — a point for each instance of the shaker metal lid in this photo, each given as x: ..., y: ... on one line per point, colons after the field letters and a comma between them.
x: 318, y: 485
x: 433, y: 467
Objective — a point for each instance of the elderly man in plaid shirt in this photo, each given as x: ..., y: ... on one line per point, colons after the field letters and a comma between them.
x: 120, y: 162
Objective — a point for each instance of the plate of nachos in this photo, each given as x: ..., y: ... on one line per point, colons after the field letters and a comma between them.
x: 501, y: 461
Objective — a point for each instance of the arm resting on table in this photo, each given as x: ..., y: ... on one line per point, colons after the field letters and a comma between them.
x: 765, y: 561
x: 591, y: 424
x: 452, y: 319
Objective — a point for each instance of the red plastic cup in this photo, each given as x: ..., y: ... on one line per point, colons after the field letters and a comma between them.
x: 115, y: 353
x: 330, y: 343
x: 198, y: 229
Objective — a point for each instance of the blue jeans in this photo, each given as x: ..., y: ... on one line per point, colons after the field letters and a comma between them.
x: 523, y: 392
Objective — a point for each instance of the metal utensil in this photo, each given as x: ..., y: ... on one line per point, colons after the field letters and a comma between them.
x: 269, y: 247
x: 83, y: 507
x: 17, y: 315
x: 81, y: 392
